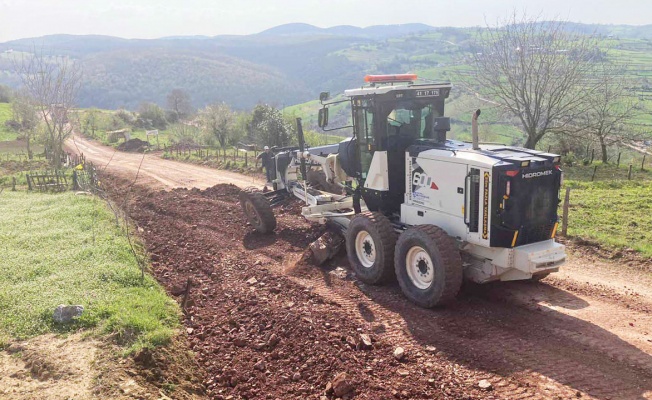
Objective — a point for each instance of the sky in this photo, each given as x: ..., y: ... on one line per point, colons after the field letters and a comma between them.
x: 159, y: 18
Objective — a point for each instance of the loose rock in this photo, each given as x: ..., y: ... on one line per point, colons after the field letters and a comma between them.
x: 399, y: 353
x: 64, y: 314
x: 260, y: 365
x: 342, y: 384
x: 485, y: 385
x: 364, y: 342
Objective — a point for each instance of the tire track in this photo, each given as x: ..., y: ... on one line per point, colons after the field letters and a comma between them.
x: 534, y: 353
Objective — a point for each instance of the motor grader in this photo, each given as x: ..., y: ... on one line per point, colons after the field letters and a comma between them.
x: 415, y: 206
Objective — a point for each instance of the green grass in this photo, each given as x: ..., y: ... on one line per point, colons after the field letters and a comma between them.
x: 66, y: 249
x: 615, y: 214
x: 609, y: 172
x: 5, y: 115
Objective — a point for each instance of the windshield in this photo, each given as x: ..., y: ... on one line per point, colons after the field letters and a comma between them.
x: 415, y: 121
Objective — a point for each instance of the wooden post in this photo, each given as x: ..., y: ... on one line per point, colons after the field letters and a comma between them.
x: 235, y: 153
x: 246, y: 158
x: 592, y: 155
x: 595, y: 168
x: 643, y: 163
x: 186, y: 294
x: 564, y: 221
x: 587, y: 150
x: 629, y: 173
x: 13, y: 183
x: 549, y: 146
x: 618, y: 162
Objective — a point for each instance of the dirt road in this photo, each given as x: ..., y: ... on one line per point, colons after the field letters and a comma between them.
x: 153, y: 170
x: 584, y: 332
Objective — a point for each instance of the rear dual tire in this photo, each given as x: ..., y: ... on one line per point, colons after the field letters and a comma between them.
x: 424, y: 259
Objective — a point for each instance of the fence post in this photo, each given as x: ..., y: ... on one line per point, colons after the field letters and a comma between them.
x: 235, y: 153
x: 618, y: 162
x: 13, y: 183
x: 595, y: 168
x: 564, y: 221
x: 629, y: 173
x: 587, y: 150
x: 592, y: 155
x: 246, y: 158
x: 643, y: 163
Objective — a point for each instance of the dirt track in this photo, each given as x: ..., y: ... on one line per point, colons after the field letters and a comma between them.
x: 154, y: 171
x: 585, y: 332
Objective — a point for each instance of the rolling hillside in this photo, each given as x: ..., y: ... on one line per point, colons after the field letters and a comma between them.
x: 288, y: 64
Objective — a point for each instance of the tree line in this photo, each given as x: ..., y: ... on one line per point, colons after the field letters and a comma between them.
x: 216, y: 125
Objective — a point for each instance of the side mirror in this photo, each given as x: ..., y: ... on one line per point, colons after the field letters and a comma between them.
x: 323, y: 96
x: 322, y: 119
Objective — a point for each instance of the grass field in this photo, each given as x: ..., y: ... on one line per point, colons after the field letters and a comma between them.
x: 612, y: 213
x: 66, y: 249
x: 5, y: 115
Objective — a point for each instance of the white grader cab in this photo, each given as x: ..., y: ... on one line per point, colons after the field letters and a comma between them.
x: 417, y: 207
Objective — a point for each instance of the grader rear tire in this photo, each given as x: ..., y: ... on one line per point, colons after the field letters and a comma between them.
x: 370, y: 242
x: 257, y: 210
x: 428, y: 266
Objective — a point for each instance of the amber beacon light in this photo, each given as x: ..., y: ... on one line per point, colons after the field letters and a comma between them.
x: 390, y: 78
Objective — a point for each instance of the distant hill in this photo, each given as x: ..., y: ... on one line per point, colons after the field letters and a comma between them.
x: 372, y: 32
x: 287, y: 64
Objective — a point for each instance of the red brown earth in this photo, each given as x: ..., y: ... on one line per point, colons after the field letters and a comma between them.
x: 583, y: 332
x: 267, y: 325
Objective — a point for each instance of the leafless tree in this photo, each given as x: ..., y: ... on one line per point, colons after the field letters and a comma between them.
x: 53, y: 84
x: 179, y: 101
x: 537, y: 70
x: 217, y: 122
x: 610, y: 111
x: 185, y: 135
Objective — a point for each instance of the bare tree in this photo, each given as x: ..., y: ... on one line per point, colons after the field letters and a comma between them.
x: 609, y: 112
x: 179, y: 101
x: 25, y: 119
x: 217, y: 121
x: 185, y: 135
x: 537, y: 70
x: 53, y: 84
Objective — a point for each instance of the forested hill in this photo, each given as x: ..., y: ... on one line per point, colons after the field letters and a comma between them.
x: 284, y: 65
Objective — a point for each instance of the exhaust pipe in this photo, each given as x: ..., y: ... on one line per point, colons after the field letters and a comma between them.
x: 474, y: 129
x: 302, y: 148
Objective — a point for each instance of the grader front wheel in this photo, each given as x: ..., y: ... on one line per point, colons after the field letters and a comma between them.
x: 257, y: 210
x: 370, y: 241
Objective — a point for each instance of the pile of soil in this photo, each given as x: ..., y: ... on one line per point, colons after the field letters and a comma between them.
x: 259, y: 332
x: 134, y: 146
